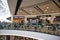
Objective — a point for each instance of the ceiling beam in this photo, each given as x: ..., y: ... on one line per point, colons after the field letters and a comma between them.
x: 42, y: 3
x: 56, y: 4
x: 17, y: 6
x: 25, y: 11
x: 39, y: 9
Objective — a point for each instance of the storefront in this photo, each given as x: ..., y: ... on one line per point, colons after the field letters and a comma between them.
x: 32, y: 20
x: 19, y: 19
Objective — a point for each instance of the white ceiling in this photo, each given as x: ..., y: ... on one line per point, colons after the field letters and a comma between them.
x: 31, y: 2
x: 27, y: 7
x: 12, y: 3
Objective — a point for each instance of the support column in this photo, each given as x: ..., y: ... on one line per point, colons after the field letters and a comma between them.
x: 11, y: 37
x: 24, y: 38
x: 5, y: 37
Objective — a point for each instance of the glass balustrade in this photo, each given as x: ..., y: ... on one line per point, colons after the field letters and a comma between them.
x: 53, y: 29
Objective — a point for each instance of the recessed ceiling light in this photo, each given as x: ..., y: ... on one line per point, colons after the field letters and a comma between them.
x: 47, y: 7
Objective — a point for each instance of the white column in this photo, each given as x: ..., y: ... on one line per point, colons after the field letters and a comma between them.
x: 11, y: 37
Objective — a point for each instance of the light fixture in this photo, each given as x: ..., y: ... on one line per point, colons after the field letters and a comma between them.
x: 47, y: 7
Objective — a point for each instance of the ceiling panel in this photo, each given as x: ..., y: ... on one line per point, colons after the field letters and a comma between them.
x: 31, y: 2
x: 50, y: 8
x: 47, y: 7
x: 20, y: 12
x: 12, y: 4
x: 57, y: 2
x: 32, y: 11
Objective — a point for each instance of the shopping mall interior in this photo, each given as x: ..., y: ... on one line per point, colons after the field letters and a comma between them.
x: 30, y: 20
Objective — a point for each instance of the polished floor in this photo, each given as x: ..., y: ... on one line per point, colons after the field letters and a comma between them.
x: 29, y: 34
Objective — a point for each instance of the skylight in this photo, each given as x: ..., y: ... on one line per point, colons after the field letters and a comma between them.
x: 4, y: 12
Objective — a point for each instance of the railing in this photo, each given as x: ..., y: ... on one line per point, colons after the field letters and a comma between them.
x: 49, y: 28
